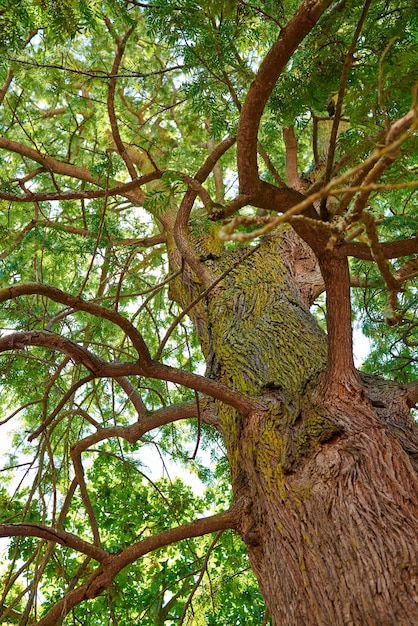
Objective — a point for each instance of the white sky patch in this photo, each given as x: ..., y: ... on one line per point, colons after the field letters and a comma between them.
x: 362, y: 347
x: 162, y: 467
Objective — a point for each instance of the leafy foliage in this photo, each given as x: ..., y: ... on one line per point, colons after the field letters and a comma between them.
x: 96, y: 94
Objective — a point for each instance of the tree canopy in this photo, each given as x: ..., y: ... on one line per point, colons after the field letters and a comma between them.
x: 147, y: 150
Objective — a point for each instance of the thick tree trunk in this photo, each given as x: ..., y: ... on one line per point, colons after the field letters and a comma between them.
x: 333, y: 539
x: 331, y: 521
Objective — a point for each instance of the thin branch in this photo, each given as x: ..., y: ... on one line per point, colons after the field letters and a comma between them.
x: 203, y: 569
x: 263, y: 13
x: 373, y: 167
x: 348, y: 61
x: 292, y: 170
x: 121, y: 44
x: 97, y: 74
x: 82, y: 232
x: 60, y: 405
x: 279, y: 180
x: 392, y: 284
x: 73, y: 171
x: 79, y: 475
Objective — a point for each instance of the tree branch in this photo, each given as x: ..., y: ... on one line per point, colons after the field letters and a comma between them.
x: 78, y: 304
x: 292, y: 170
x: 181, y: 233
x: 99, y: 368
x: 389, y: 249
x: 45, y: 339
x: 62, y: 537
x: 66, y: 169
x: 121, y: 44
x: 412, y: 393
x: 348, y: 61
x: 270, y: 69
x: 6, y: 85
x: 104, y: 575
x: 341, y: 372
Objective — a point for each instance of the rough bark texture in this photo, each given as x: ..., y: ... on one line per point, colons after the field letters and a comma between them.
x: 331, y: 522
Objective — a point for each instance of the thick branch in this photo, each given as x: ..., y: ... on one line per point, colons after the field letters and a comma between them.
x: 101, y: 369
x: 133, y: 395
x: 412, y: 393
x: 390, y: 249
x: 62, y: 537
x: 273, y: 65
x: 78, y: 304
x: 103, y: 577
x: 340, y: 363
x: 242, y: 403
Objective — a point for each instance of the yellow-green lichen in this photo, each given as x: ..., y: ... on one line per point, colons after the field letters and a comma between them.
x: 316, y: 430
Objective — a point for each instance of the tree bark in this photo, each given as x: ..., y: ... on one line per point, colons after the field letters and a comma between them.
x: 331, y: 522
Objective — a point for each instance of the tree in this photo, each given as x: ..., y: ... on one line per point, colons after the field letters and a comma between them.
x: 217, y: 181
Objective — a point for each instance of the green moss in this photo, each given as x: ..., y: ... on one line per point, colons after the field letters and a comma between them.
x: 317, y: 429
x: 302, y: 566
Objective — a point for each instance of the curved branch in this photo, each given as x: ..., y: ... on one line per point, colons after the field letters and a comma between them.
x: 104, y: 575
x: 270, y: 69
x: 121, y: 44
x: 210, y: 162
x: 62, y: 537
x: 76, y: 303
x: 65, y: 169
x: 46, y: 339
x: 133, y: 395
x: 99, y: 368
x: 209, y: 387
x: 134, y: 432
x: 60, y: 404
x: 6, y: 85
x: 181, y: 234
x: 389, y: 249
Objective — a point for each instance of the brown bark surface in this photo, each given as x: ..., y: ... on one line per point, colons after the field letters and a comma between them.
x: 328, y: 478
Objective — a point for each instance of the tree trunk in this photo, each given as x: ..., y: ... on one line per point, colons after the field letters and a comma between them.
x: 331, y: 520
